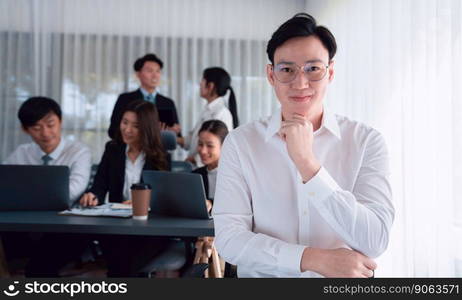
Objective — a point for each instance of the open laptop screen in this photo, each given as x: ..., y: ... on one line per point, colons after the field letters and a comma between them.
x: 26, y: 187
x: 177, y: 194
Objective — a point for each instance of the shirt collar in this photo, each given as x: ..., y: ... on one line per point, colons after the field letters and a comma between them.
x: 145, y: 93
x: 215, y: 103
x: 329, y: 122
x: 56, y: 153
x: 142, y: 155
x: 274, y: 124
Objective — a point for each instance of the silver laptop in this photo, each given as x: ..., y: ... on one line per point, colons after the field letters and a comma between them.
x: 26, y: 187
x: 177, y: 194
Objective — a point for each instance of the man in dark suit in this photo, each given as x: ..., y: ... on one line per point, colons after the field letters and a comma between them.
x: 148, y: 69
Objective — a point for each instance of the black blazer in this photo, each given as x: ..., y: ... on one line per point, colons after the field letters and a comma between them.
x: 110, y: 176
x: 205, y: 179
x: 165, y: 107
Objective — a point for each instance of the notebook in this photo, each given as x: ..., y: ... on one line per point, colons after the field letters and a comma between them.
x: 26, y: 187
x: 177, y: 194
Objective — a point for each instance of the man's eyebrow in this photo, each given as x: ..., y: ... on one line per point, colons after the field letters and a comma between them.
x: 292, y: 63
x: 286, y: 62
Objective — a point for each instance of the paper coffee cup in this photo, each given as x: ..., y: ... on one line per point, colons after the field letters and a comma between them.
x: 141, y: 197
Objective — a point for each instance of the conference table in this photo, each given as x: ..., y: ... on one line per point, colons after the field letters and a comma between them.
x: 156, y: 225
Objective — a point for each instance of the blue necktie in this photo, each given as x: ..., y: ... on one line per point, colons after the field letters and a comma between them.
x: 150, y: 98
x: 46, y: 159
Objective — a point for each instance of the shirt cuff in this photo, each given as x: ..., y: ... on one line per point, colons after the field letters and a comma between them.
x: 290, y: 257
x: 320, y: 187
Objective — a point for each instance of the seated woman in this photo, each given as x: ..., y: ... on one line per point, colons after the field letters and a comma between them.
x: 211, y: 136
x: 136, y: 147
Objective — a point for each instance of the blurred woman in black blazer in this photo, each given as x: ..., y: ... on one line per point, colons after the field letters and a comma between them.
x: 212, y: 134
x: 211, y: 137
x: 137, y: 146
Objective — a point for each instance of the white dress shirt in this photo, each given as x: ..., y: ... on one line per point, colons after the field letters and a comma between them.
x: 132, y: 172
x: 265, y: 216
x: 75, y: 155
x: 215, y: 110
x: 146, y: 94
x: 212, y: 179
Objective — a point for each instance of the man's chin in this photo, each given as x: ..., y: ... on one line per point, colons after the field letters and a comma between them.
x: 48, y: 147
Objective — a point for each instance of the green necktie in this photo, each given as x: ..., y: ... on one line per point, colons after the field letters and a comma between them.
x: 46, y: 159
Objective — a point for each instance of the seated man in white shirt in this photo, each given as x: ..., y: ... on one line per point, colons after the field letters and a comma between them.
x: 303, y: 193
x: 40, y: 118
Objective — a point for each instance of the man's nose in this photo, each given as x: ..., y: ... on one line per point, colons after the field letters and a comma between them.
x: 45, y: 132
x: 301, y: 81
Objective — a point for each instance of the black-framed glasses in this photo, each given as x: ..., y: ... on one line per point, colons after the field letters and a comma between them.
x: 287, y: 72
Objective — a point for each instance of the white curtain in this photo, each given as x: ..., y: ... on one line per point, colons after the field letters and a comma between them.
x: 398, y: 68
x: 81, y: 54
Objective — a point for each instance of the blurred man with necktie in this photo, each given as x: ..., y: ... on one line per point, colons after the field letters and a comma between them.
x: 40, y: 118
x: 148, y: 69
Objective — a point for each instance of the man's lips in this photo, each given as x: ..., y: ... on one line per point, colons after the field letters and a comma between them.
x: 300, y: 98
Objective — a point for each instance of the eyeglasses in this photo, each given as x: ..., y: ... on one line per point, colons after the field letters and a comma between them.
x: 287, y: 72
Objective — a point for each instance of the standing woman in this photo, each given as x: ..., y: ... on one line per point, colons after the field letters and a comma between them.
x: 214, y: 85
x: 137, y: 147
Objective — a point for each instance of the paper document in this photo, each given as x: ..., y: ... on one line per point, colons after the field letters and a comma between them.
x: 121, y: 206
x: 106, y: 210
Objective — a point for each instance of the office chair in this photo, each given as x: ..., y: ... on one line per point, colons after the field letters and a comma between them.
x: 181, y: 166
x: 172, y: 259
x: 168, y: 138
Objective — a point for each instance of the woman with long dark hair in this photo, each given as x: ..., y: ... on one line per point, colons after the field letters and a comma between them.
x: 137, y: 147
x: 215, y: 83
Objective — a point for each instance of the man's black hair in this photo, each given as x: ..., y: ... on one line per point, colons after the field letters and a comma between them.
x: 301, y: 25
x: 139, y: 63
x: 35, y: 108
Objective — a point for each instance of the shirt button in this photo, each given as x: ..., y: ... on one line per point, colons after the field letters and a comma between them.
x: 311, y: 194
x: 305, y: 212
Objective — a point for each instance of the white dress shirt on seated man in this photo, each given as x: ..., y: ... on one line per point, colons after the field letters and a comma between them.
x: 265, y: 215
x: 75, y: 155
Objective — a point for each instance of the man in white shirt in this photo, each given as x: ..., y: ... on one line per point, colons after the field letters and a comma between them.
x: 304, y: 193
x: 41, y: 119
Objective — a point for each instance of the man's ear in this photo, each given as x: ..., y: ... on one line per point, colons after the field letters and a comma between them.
x: 270, y: 74
x: 331, y: 70
x: 24, y: 129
